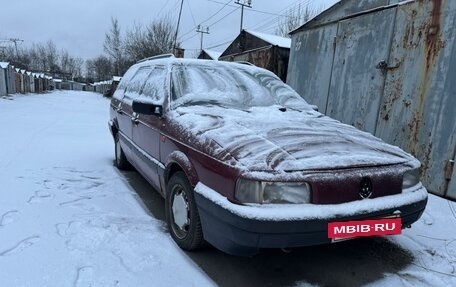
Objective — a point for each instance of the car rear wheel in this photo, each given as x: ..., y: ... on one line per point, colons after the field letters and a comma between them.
x: 121, y: 161
x: 182, y: 214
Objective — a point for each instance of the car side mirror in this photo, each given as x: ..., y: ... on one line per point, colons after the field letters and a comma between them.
x: 147, y: 108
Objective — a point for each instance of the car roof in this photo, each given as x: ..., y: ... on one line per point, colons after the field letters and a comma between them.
x: 168, y: 60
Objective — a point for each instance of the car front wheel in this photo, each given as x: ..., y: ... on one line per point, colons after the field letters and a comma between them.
x: 121, y: 161
x: 182, y: 214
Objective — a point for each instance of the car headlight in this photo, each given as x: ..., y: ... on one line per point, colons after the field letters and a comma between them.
x: 411, y: 178
x: 249, y: 191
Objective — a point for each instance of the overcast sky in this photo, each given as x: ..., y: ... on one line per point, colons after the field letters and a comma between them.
x: 80, y: 26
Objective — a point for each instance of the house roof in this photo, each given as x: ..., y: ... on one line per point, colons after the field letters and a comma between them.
x: 213, y: 54
x: 320, y: 16
x: 272, y: 39
x: 344, y: 9
x: 4, y: 65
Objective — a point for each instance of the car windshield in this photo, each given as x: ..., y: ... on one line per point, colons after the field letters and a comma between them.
x: 231, y: 86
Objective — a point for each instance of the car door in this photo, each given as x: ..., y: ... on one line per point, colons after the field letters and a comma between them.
x: 146, y: 132
x: 126, y: 116
x: 117, y: 105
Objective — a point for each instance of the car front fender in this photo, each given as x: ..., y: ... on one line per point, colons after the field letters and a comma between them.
x: 177, y: 160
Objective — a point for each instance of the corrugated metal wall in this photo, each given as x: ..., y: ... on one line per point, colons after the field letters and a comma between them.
x: 391, y: 72
x: 3, y: 83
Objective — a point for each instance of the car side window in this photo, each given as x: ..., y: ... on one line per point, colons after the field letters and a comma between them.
x: 136, y: 83
x: 126, y: 78
x: 154, y: 89
x: 124, y: 82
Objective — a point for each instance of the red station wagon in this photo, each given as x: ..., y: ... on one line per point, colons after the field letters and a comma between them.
x: 244, y: 163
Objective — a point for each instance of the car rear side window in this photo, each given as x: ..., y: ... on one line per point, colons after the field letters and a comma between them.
x: 136, y: 83
x: 126, y: 78
x: 154, y: 89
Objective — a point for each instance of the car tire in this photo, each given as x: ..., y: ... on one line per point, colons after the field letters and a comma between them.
x: 182, y: 214
x: 120, y: 160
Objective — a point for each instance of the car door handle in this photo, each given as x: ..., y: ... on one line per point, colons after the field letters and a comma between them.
x: 119, y: 111
x: 135, y: 120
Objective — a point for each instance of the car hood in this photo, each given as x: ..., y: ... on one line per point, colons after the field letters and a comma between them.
x: 266, y: 138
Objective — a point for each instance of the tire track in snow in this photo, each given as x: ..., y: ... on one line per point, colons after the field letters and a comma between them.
x: 84, y: 277
x: 39, y: 197
x: 21, y: 246
x: 8, y: 217
x: 72, y: 202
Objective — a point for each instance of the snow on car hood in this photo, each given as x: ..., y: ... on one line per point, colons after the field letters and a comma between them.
x: 265, y: 138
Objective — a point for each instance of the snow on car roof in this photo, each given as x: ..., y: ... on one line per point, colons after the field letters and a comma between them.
x: 197, y: 62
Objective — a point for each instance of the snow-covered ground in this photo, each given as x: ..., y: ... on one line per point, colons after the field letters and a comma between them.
x: 69, y: 218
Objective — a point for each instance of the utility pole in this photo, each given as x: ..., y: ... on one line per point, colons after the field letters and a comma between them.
x: 203, y: 30
x: 249, y: 5
x: 15, y: 44
x: 13, y: 40
x: 177, y: 28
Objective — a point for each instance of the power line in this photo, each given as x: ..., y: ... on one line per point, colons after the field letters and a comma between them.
x: 191, y: 13
x: 210, y: 25
x: 188, y: 38
x: 163, y: 7
x: 253, y: 10
x: 218, y: 45
x: 267, y: 22
x: 213, y: 15
x: 234, y: 10
x: 214, y: 23
x: 210, y: 17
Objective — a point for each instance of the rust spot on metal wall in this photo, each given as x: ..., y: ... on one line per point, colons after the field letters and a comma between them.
x: 433, y: 44
x: 448, y: 170
x: 395, y: 94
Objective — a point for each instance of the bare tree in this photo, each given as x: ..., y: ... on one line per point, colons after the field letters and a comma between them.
x: 295, y: 17
x: 90, y: 70
x: 45, y: 58
x: 78, y: 64
x: 102, y: 68
x: 113, y: 46
x: 147, y: 41
x: 135, y: 43
x: 21, y: 58
x: 161, y: 34
x: 52, y: 57
x: 70, y: 66
x: 65, y: 61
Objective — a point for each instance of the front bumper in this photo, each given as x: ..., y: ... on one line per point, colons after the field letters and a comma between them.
x: 243, y: 230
